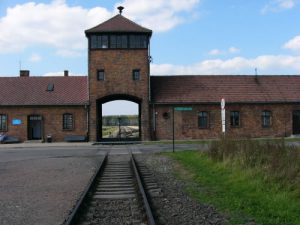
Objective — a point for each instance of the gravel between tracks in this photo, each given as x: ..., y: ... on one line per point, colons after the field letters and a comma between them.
x: 42, y: 191
x: 174, y: 206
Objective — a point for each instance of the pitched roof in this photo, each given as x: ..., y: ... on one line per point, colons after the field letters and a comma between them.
x: 118, y: 23
x: 235, y: 89
x: 71, y: 90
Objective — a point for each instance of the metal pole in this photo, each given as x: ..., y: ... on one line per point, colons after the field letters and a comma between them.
x: 173, y: 129
x: 119, y: 127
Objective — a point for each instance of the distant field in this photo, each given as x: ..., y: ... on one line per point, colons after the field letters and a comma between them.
x: 248, y: 180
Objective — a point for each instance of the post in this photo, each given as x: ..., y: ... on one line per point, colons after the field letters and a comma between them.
x: 173, y: 129
x: 119, y: 119
x: 223, y: 120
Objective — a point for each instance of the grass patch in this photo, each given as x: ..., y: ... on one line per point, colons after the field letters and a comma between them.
x: 109, y: 130
x: 247, y: 189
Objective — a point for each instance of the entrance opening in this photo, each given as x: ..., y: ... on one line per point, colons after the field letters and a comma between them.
x: 34, y: 127
x: 296, y: 122
x: 119, y: 119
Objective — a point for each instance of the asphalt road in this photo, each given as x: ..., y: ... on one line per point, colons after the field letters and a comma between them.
x: 40, y: 183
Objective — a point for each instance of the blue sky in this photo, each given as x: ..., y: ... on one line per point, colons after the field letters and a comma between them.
x: 190, y: 36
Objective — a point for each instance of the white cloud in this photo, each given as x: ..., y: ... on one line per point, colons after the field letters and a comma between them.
x: 56, y: 25
x: 238, y: 65
x: 231, y: 50
x: 279, y: 5
x: 159, y: 15
x: 293, y: 44
x: 35, y: 58
x: 62, y: 27
x: 215, y: 52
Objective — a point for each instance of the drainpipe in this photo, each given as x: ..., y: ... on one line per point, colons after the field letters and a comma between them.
x: 86, y: 107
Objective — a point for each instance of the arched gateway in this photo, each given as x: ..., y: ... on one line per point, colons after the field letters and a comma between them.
x: 119, y: 127
x: 118, y: 61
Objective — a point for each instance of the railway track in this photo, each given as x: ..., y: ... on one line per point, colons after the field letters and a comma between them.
x: 115, y: 196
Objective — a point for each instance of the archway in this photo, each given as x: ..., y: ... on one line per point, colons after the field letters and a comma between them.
x: 119, y: 118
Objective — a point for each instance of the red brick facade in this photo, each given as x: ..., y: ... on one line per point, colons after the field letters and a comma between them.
x: 52, y: 121
x: 118, y: 66
x: 186, y: 122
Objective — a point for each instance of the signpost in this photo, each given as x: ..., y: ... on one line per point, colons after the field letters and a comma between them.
x: 223, y: 115
x: 178, y: 109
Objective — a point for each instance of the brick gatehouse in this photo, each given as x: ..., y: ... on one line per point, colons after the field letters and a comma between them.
x: 119, y: 69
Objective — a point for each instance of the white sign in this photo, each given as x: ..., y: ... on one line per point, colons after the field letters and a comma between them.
x: 223, y: 114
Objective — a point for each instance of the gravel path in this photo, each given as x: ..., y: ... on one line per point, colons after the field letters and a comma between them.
x: 173, y: 206
x: 42, y: 191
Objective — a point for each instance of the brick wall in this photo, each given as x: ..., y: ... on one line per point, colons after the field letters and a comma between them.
x: 186, y: 122
x: 118, y: 66
x: 52, y: 120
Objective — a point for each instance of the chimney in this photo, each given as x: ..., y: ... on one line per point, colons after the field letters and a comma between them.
x: 24, y: 73
x: 66, y: 73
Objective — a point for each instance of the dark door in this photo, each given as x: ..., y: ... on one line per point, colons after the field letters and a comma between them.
x: 35, y: 127
x: 296, y: 122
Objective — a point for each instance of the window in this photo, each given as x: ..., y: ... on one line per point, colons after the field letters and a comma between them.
x: 118, y: 41
x: 138, y: 41
x: 203, y: 120
x: 3, y: 122
x: 136, y: 74
x: 266, y: 118
x: 100, y: 75
x: 99, y: 41
x: 235, y: 118
x: 68, y: 123
x: 113, y: 41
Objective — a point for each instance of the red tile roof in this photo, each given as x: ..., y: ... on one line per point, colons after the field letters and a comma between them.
x: 118, y: 24
x: 33, y: 90
x: 235, y: 89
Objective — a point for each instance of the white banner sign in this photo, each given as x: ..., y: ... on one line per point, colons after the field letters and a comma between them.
x: 223, y: 114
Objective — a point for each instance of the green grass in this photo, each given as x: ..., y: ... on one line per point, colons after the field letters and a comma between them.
x: 107, y: 130
x: 242, y: 193
x: 208, y: 141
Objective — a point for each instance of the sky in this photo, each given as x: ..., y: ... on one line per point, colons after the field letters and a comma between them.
x: 190, y: 37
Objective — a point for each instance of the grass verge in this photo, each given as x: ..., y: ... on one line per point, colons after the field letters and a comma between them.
x: 242, y: 193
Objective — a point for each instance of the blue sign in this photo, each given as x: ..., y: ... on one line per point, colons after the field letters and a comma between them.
x: 183, y: 108
x: 16, y: 122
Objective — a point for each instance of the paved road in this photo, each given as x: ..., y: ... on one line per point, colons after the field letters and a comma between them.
x: 39, y: 183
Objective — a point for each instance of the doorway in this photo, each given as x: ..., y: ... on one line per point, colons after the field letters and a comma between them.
x: 296, y: 122
x: 119, y: 119
x: 35, y: 127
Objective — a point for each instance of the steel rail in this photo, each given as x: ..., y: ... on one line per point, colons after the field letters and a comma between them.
x: 73, y: 216
x: 150, y: 218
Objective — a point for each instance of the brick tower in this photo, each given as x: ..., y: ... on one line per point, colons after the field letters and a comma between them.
x: 118, y: 69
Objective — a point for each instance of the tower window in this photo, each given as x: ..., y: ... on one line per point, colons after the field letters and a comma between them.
x: 203, y: 120
x: 138, y: 41
x: 136, y: 75
x: 266, y: 118
x: 3, y: 122
x: 235, y: 118
x: 100, y: 75
x: 68, y: 122
x: 116, y: 41
x: 99, y: 41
